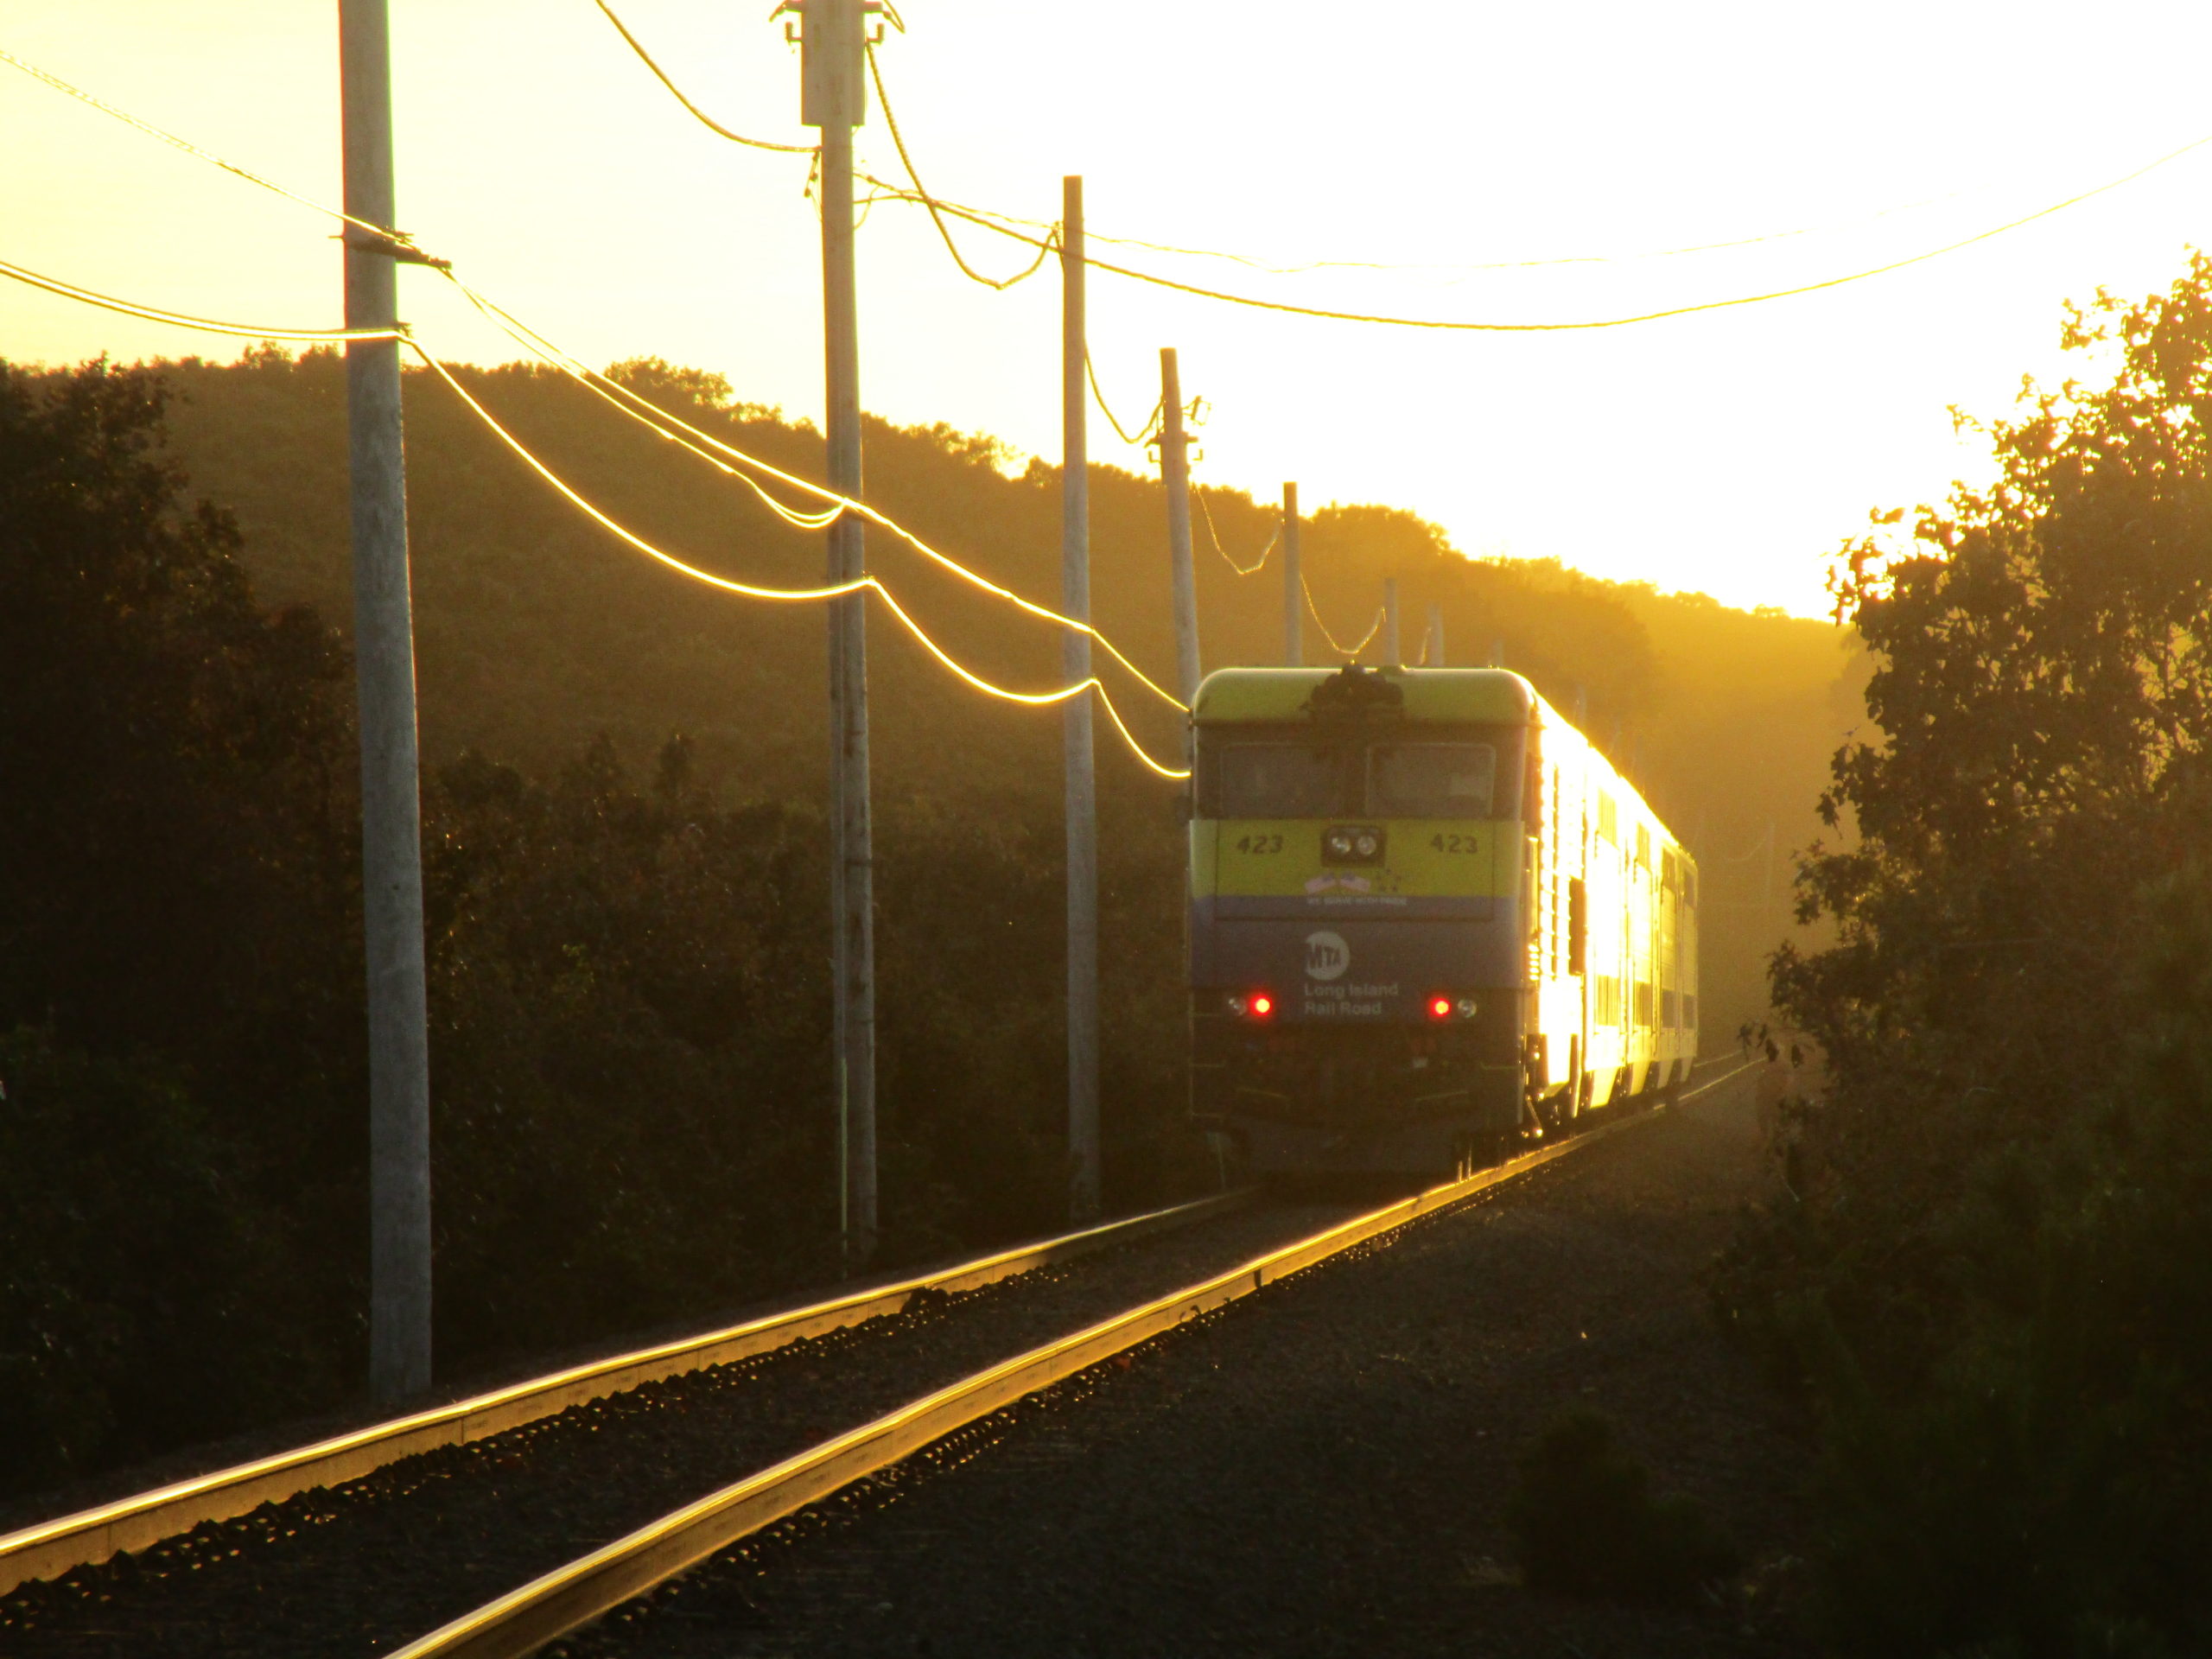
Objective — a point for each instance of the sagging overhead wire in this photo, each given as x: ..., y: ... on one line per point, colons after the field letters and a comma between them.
x: 749, y: 590
x: 1214, y: 535
x: 385, y: 235
x: 546, y: 351
x: 746, y: 590
x: 683, y: 433
x: 832, y: 590
x: 1151, y: 421
x: 210, y: 325
x: 1350, y: 653
x: 975, y: 216
x: 1309, y: 266
x: 1045, y: 247
x: 703, y: 118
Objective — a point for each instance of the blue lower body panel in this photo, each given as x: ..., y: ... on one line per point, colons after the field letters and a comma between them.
x: 1350, y: 1071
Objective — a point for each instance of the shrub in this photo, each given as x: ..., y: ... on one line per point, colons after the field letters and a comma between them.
x: 1587, y: 1524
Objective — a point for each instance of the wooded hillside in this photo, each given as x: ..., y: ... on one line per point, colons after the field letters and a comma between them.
x: 538, y: 630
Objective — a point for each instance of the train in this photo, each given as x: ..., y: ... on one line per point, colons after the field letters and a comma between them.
x: 1428, y: 921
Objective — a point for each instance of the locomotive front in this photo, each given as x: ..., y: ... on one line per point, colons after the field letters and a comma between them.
x: 1358, y: 957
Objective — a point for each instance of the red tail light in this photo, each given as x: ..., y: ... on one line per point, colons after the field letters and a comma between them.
x: 1261, y: 1005
x: 1439, y: 1008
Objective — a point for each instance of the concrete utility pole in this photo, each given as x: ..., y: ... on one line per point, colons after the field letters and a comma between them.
x: 384, y: 660
x: 1391, y: 651
x: 1075, y: 726
x: 1436, y: 636
x: 1766, y: 880
x: 1175, y: 479
x: 1294, y: 607
x: 833, y: 49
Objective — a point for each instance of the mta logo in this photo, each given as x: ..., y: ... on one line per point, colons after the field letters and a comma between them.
x: 1327, y: 956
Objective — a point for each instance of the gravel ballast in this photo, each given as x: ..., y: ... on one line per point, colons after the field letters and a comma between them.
x: 1320, y: 1469
x: 366, y: 1567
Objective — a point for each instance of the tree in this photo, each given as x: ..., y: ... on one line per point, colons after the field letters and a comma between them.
x: 1991, y: 1263
x: 177, y: 949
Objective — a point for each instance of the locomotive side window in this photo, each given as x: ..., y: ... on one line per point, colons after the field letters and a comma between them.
x: 1272, y: 780
x: 1431, y: 780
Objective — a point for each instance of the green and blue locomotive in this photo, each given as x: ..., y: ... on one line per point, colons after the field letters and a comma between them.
x: 1427, y: 918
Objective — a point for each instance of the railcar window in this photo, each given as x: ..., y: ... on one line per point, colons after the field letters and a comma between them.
x: 1431, y: 780
x: 1275, y: 780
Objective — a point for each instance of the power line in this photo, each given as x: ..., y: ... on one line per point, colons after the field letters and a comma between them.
x: 919, y: 193
x: 1214, y: 535
x: 977, y: 217
x: 1004, y: 225
x: 541, y: 346
x: 745, y: 589
x: 1032, y: 699
x: 1151, y: 421
x: 704, y: 119
x: 211, y: 325
x: 400, y: 333
x: 1336, y: 645
x: 383, y: 233
x: 637, y: 407
x: 545, y: 348
x: 1312, y: 266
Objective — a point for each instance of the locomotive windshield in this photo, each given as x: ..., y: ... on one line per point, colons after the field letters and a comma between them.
x: 1431, y: 780
x: 1276, y: 780
x: 1286, y: 773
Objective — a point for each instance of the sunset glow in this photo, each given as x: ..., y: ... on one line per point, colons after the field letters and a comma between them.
x: 1729, y: 451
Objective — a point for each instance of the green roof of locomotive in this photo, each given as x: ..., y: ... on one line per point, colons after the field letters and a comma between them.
x: 1484, y: 696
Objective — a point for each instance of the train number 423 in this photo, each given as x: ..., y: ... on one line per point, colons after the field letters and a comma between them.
x: 1445, y: 843
x: 1259, y: 843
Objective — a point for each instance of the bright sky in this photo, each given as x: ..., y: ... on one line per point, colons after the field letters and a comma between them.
x: 1729, y: 452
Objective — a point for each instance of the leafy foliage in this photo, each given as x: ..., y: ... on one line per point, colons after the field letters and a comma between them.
x: 1992, y: 1266
x: 176, y: 898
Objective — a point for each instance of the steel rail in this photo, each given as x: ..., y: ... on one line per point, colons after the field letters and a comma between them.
x: 547, y: 1607
x: 52, y: 1547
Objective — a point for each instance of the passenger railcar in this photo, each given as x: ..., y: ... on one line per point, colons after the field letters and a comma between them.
x: 1427, y: 917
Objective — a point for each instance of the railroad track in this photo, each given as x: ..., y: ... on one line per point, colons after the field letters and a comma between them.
x: 803, y: 1469
x: 90, y: 1536
x: 525, y: 1619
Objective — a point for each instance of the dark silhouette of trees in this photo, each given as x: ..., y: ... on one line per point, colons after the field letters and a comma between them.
x: 176, y: 956
x: 1993, y: 1264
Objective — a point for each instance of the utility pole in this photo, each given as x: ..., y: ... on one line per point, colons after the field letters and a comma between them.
x: 1436, y: 636
x: 833, y: 47
x: 1766, y: 880
x: 1175, y: 478
x: 383, y: 662
x: 1391, y: 653
x: 1293, y: 612
x: 1075, y: 724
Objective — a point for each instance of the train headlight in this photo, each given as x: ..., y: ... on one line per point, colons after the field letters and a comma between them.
x: 1352, y: 844
x: 1466, y: 1007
